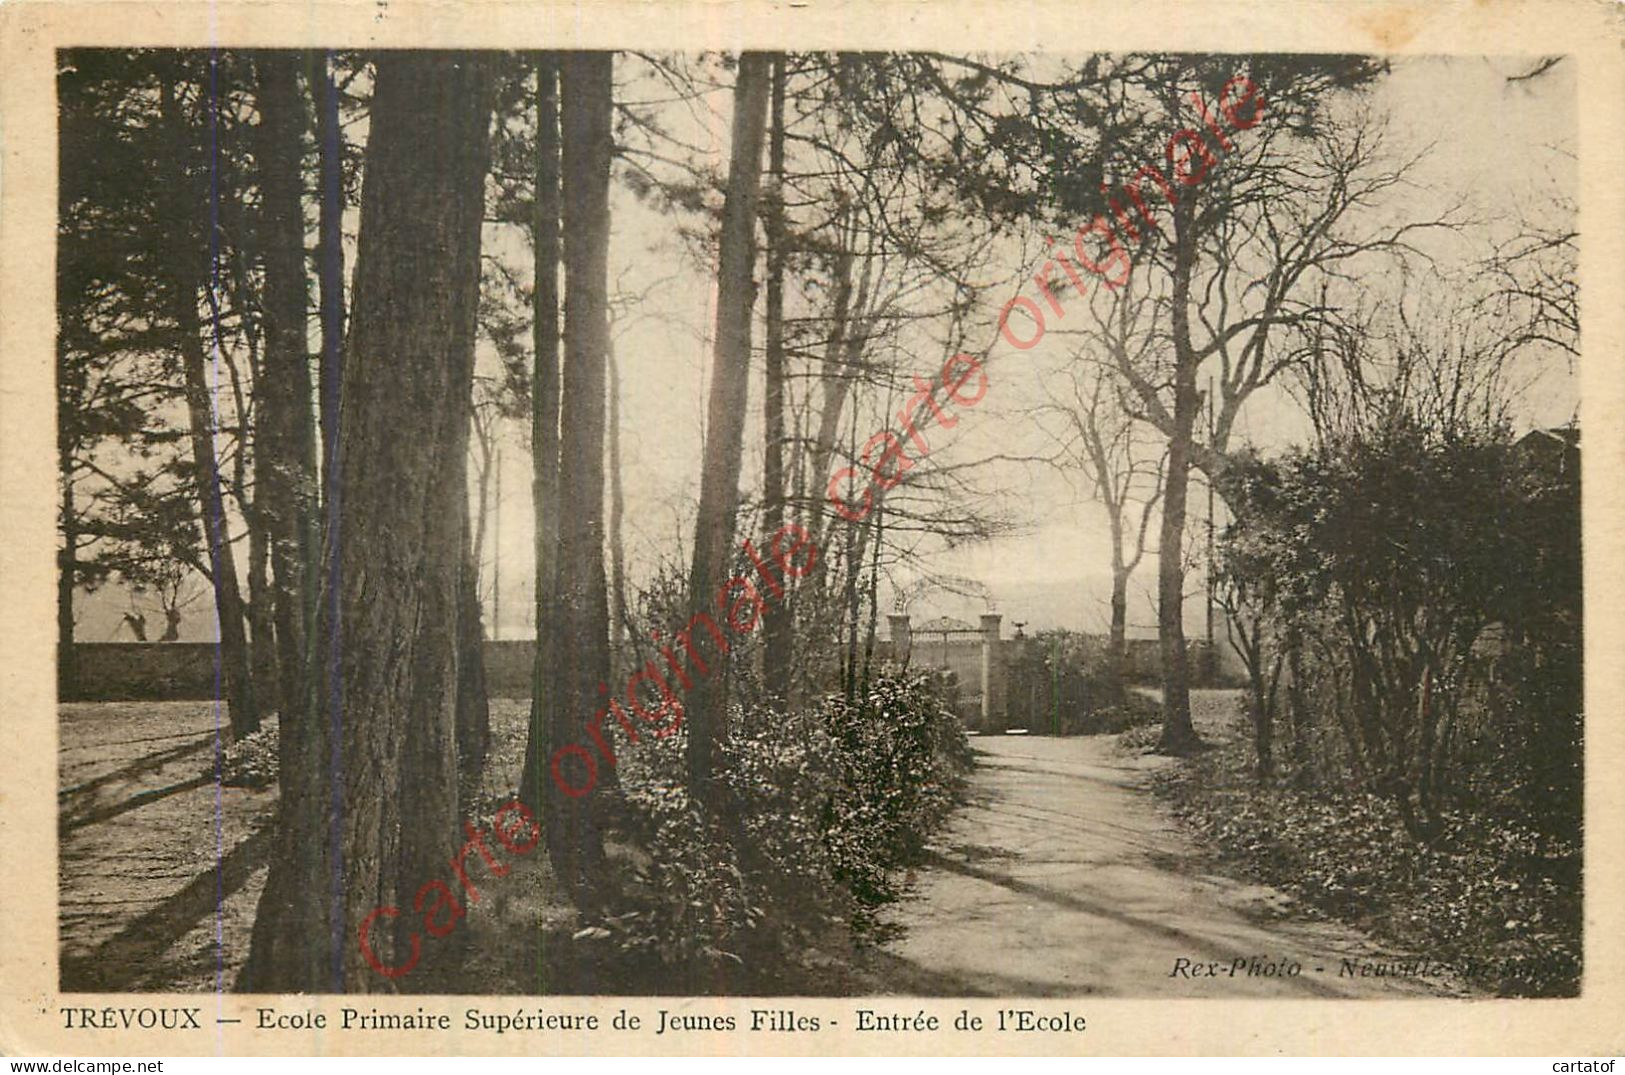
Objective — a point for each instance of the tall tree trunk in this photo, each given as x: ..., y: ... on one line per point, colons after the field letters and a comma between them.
x: 617, y: 514
x: 544, y: 427
x: 586, y: 81
x: 1117, y: 640
x: 185, y: 279
x: 263, y: 659
x: 368, y: 814
x: 325, y: 584
x: 473, y: 701
x: 1117, y: 636
x: 67, y: 675
x: 725, y: 416
x: 777, y: 626
x: 329, y: 250
x: 482, y: 491
x: 1178, y: 734
x: 286, y: 459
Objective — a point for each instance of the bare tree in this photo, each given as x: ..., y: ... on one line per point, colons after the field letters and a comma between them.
x: 725, y: 425
x: 1536, y: 284
x: 1247, y: 255
x: 1098, y: 439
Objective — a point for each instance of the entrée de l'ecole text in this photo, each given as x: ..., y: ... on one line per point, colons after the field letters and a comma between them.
x: 758, y: 1020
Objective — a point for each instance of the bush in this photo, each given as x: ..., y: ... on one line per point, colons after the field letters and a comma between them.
x: 707, y: 897
x: 1416, y: 593
x: 1061, y: 684
x: 1492, y: 892
x: 1409, y: 595
x: 250, y: 762
x: 901, y: 758
x: 819, y: 809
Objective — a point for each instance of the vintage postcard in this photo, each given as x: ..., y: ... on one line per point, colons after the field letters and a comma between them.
x: 752, y: 528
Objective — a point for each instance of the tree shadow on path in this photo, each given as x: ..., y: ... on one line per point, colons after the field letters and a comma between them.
x: 115, y: 964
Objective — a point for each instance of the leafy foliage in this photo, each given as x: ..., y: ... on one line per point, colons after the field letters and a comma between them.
x: 706, y: 896
x: 1415, y: 585
x: 1061, y: 684
x: 250, y: 761
x: 900, y: 757
x: 1379, y: 564
x: 819, y: 810
x: 1491, y: 891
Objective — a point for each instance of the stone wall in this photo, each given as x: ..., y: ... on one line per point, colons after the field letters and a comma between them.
x: 161, y: 671
x: 173, y: 671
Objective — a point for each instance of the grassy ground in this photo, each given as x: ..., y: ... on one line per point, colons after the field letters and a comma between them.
x: 160, y: 873
x: 141, y: 826
x: 1479, y: 899
x: 527, y: 939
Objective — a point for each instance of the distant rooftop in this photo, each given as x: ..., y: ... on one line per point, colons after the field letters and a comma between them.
x: 1565, y: 435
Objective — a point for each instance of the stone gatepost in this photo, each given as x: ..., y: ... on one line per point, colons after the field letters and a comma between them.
x: 993, y: 708
x: 902, y: 636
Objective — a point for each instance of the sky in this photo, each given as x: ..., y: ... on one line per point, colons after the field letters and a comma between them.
x: 1490, y: 141
x: 1496, y: 143
x: 1500, y: 145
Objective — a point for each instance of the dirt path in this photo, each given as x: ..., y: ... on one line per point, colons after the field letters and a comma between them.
x: 1064, y: 876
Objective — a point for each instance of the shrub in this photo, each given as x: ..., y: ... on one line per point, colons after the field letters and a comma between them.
x: 1417, y: 590
x: 707, y: 897
x: 250, y: 762
x: 819, y: 808
x: 902, y: 756
x: 1061, y: 684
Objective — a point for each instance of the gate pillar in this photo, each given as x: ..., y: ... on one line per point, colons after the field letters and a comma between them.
x: 993, y: 709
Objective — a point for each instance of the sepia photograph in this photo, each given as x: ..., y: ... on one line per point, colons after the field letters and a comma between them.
x: 594, y: 522
x: 769, y: 538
